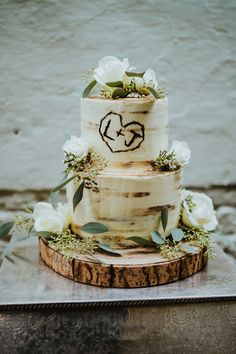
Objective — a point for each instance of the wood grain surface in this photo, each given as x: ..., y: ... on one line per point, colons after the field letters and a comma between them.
x: 137, y: 267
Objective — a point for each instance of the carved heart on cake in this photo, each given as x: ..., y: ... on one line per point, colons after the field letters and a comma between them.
x: 118, y: 136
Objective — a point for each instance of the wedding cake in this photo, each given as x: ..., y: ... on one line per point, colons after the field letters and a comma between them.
x: 124, y: 191
x: 127, y: 124
x: 131, y: 190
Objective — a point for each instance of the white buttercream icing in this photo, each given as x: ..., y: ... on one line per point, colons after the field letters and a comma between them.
x: 126, y: 130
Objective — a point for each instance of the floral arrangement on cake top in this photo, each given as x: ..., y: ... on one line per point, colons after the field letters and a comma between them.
x: 117, y: 79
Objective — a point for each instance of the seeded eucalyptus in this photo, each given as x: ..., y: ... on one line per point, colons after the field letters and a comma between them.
x: 173, y: 245
x: 86, y: 168
x: 166, y: 161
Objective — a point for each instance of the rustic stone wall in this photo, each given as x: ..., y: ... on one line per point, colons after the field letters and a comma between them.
x: 48, y: 45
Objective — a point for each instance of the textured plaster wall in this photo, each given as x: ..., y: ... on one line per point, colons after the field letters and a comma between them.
x: 46, y: 47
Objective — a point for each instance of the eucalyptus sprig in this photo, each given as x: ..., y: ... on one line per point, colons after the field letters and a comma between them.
x: 166, y: 161
x: 199, y: 237
x: 173, y: 245
x: 67, y: 241
x: 84, y: 170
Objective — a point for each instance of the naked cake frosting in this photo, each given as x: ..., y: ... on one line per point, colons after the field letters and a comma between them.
x: 124, y: 186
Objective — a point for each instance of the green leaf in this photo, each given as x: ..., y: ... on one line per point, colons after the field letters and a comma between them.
x: 141, y: 241
x: 88, y: 89
x: 78, y: 195
x: 28, y: 210
x: 10, y: 259
x: 94, y: 228
x: 119, y: 92
x: 157, y: 238
x: 131, y: 74
x: 115, y: 84
x: 107, y: 249
x: 17, y: 255
x: 54, y: 194
x: 60, y: 186
x: 177, y: 234
x: 153, y: 91
x: 10, y: 247
x: 164, y: 217
x: 188, y: 249
x: 5, y: 229
x: 45, y: 234
x: 31, y: 229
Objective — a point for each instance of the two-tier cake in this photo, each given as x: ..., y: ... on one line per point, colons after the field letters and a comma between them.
x: 131, y: 191
x: 127, y: 221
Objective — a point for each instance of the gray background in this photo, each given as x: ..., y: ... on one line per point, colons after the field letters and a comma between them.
x: 47, y: 46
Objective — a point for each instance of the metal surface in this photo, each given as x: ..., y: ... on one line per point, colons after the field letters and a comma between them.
x: 42, y: 312
x: 177, y: 328
x: 31, y: 284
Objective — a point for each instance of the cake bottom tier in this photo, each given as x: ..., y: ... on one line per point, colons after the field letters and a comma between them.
x: 128, y: 205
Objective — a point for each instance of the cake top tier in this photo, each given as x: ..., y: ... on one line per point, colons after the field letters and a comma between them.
x: 124, y: 115
x: 128, y: 132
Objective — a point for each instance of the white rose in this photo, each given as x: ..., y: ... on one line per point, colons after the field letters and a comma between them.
x: 65, y: 211
x: 150, y: 78
x: 138, y: 81
x: 110, y: 69
x: 182, y: 152
x: 46, y: 218
x: 77, y: 146
x: 200, y: 213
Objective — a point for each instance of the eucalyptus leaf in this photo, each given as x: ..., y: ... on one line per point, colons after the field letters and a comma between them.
x: 108, y: 249
x: 45, y: 234
x: 6, y: 228
x: 115, y: 84
x: 157, y: 238
x: 10, y: 247
x: 30, y: 229
x: 177, y: 234
x: 94, y: 228
x: 153, y: 91
x: 55, y: 194
x: 10, y: 259
x: 60, y: 186
x: 141, y: 241
x: 17, y: 255
x: 88, y: 89
x: 119, y: 92
x: 164, y: 217
x: 78, y: 195
x: 131, y: 74
x: 28, y: 210
x: 188, y: 249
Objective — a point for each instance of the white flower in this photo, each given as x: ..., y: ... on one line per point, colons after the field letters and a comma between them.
x: 65, y: 211
x: 77, y: 146
x: 198, y: 211
x: 150, y: 78
x: 46, y: 218
x: 138, y: 81
x: 110, y: 69
x: 182, y: 152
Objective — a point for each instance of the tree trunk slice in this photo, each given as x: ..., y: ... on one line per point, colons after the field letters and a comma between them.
x: 138, y: 267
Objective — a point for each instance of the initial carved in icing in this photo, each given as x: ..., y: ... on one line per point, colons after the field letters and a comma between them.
x: 121, y: 137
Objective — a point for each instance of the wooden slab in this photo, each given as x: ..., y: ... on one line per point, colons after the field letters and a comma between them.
x: 138, y: 267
